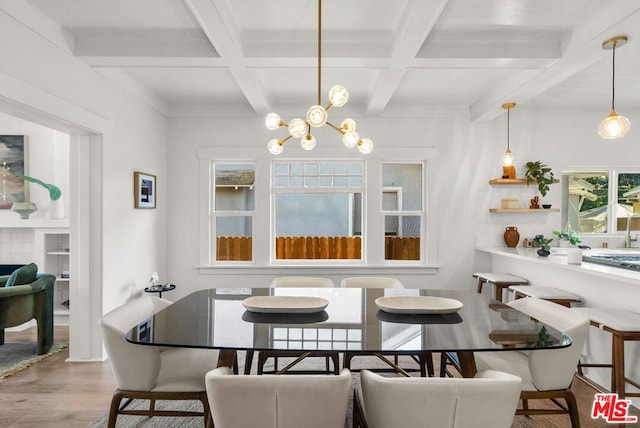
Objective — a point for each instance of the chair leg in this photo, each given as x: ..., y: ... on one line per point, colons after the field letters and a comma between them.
x: 572, y: 406
x: 113, y: 410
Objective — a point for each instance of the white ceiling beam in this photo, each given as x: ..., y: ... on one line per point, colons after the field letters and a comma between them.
x: 417, y: 22
x: 154, y: 62
x: 217, y: 23
x: 581, y: 49
x: 23, y: 12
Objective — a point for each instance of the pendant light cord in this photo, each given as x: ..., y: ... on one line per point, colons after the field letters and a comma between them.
x: 319, y: 50
x: 613, y: 78
x: 508, y: 121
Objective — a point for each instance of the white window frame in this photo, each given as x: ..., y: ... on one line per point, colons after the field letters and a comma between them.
x: 373, y: 222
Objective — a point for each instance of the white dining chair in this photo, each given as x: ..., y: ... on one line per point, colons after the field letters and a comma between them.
x: 545, y: 373
x: 152, y: 373
x: 424, y: 360
x: 329, y: 356
x: 371, y: 282
x: 271, y: 401
x: 488, y: 400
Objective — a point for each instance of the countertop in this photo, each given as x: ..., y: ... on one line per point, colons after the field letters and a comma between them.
x: 558, y: 259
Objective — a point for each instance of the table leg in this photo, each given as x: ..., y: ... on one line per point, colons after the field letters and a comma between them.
x: 226, y: 358
x: 467, y: 364
x: 617, y: 359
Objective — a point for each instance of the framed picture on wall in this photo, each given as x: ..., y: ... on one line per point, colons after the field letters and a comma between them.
x: 13, y: 160
x: 144, y: 186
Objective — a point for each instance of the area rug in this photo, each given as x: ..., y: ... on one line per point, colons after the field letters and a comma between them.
x: 17, y: 356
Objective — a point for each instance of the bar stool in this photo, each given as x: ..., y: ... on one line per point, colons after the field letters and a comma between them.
x: 623, y: 325
x: 500, y: 281
x: 551, y: 294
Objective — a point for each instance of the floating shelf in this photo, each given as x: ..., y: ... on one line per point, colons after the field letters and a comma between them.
x: 516, y: 181
x: 524, y: 210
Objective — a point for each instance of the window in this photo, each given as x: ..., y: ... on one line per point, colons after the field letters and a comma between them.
x: 591, y: 196
x: 352, y: 211
x: 318, y: 210
x: 402, y: 210
x: 233, y: 210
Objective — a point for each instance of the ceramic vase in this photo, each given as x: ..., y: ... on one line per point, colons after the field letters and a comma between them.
x: 24, y: 209
x: 511, y: 236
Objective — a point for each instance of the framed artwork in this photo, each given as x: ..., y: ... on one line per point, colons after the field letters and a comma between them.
x: 13, y: 155
x: 144, y: 186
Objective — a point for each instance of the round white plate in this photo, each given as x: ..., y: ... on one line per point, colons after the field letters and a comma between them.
x: 285, y: 304
x: 418, y: 305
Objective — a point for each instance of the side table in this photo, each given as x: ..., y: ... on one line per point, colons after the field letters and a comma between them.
x: 160, y: 289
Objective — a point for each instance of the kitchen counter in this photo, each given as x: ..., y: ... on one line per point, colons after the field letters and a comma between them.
x: 558, y: 260
x: 597, y: 285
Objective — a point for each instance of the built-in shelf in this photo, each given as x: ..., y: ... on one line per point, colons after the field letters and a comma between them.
x: 515, y: 181
x: 18, y: 223
x: 524, y: 210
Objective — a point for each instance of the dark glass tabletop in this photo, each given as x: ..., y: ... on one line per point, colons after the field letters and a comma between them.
x: 217, y: 318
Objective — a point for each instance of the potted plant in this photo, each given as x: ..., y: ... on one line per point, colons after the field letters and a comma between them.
x: 570, y: 236
x: 537, y: 172
x: 542, y: 243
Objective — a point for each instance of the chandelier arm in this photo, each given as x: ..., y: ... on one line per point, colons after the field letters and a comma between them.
x: 283, y: 141
x: 335, y: 127
x: 319, y: 50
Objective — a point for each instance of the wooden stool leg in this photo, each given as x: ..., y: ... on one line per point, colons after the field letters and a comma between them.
x: 617, y: 359
x: 481, y: 282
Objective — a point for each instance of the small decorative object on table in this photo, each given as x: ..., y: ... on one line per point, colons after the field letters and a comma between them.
x: 568, y: 237
x: 546, y: 206
x: 156, y: 287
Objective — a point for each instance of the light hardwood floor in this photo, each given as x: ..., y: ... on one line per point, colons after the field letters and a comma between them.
x: 54, y: 393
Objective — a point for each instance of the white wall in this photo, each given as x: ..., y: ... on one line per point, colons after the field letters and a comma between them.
x: 44, y: 81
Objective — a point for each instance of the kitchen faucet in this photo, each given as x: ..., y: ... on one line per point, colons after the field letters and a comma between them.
x: 628, y: 240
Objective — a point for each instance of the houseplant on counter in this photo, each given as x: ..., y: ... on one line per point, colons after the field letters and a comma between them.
x: 568, y: 237
x: 537, y: 172
x: 542, y: 243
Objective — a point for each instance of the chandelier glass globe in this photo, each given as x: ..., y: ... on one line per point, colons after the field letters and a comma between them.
x: 272, y: 122
x: 308, y: 142
x: 366, y: 146
x: 316, y: 116
x: 350, y: 139
x: 275, y: 147
x: 338, y: 95
x: 297, y: 128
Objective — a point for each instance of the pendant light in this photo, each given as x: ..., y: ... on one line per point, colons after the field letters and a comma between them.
x: 614, y: 126
x: 317, y: 116
x: 508, y: 168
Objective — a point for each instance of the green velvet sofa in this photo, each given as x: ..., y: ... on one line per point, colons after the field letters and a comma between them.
x: 27, y: 297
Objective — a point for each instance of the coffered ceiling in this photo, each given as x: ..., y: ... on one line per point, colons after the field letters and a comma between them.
x: 258, y: 55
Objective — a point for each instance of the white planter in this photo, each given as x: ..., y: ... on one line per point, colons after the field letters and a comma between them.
x: 56, y: 208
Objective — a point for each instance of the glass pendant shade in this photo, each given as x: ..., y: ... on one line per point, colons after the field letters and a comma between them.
x: 507, y: 158
x: 348, y: 125
x: 316, y: 116
x: 366, y: 146
x: 275, y: 146
x: 272, y: 122
x: 614, y: 126
x: 338, y: 96
x: 308, y: 142
x: 350, y: 139
x: 297, y: 128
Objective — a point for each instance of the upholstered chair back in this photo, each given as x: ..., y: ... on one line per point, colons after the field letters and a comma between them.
x: 302, y: 281
x: 135, y: 367
x: 489, y: 400
x: 272, y: 401
x: 554, y: 368
x: 371, y: 282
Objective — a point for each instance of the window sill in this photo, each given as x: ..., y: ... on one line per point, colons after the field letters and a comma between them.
x: 305, y: 270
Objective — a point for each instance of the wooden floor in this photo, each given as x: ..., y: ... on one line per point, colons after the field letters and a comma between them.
x: 55, y: 393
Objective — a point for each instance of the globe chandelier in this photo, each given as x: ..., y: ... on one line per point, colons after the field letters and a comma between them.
x: 614, y: 126
x: 317, y: 115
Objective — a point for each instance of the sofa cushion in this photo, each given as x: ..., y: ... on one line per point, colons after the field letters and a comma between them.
x: 24, y: 275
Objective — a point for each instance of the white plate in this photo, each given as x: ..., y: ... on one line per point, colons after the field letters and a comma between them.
x: 418, y: 305
x: 285, y: 304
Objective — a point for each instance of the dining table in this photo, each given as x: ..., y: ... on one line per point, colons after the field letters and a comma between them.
x: 367, y: 320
